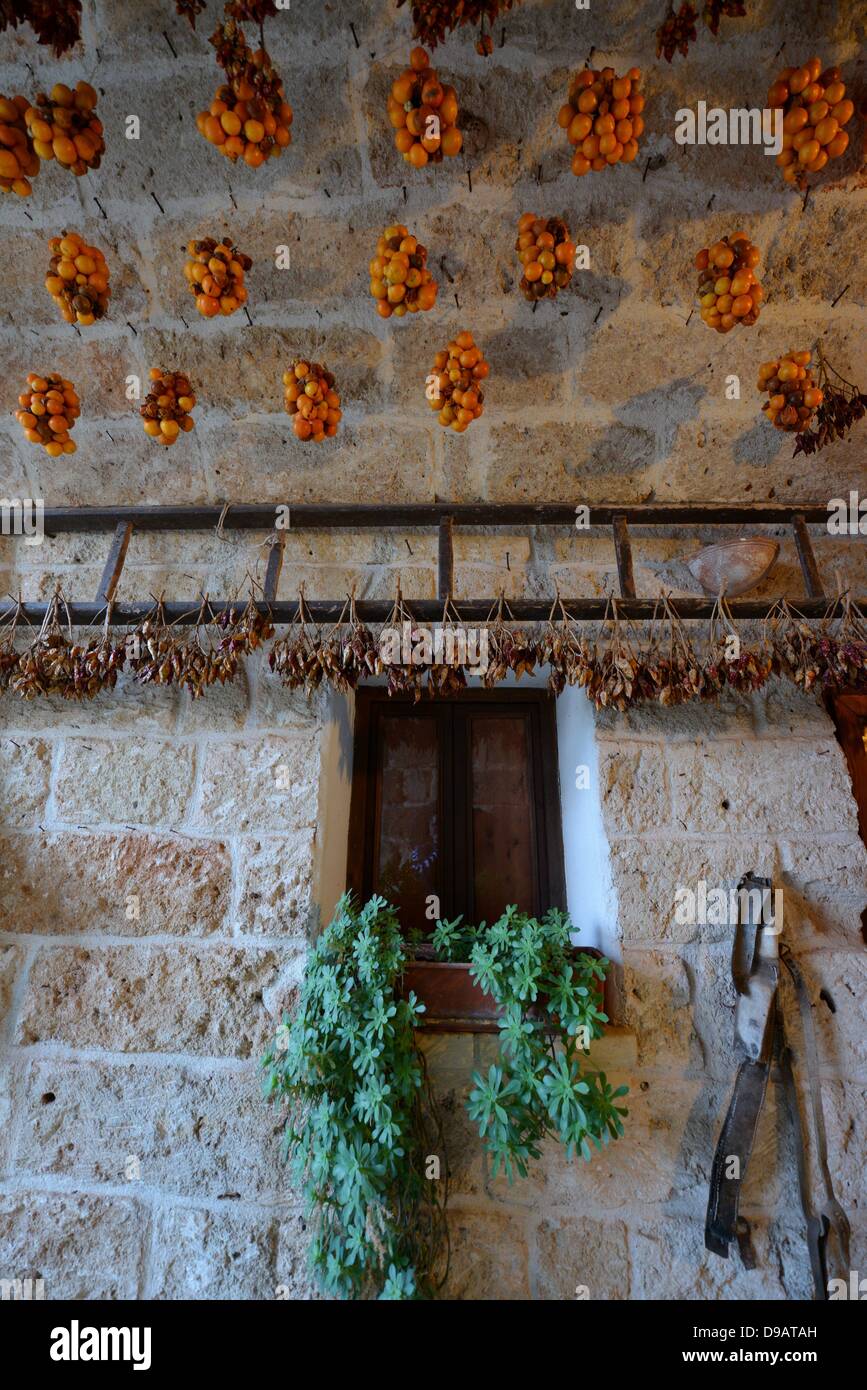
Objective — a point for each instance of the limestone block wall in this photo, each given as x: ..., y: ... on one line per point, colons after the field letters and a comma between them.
x: 154, y: 903
x: 157, y: 885
x: 610, y: 392
x: 756, y: 784
x: 156, y: 896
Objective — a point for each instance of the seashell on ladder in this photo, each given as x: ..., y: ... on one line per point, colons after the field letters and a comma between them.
x: 739, y: 565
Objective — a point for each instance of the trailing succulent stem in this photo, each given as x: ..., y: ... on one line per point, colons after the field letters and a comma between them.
x: 551, y: 1000
x: 361, y: 1116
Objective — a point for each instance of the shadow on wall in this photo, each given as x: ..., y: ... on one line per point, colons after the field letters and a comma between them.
x: 758, y: 446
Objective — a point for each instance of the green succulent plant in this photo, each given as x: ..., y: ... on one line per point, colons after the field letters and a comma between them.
x: 362, y: 1121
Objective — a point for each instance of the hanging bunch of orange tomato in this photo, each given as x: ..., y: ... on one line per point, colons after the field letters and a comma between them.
x: 311, y: 399
x: 793, y: 395
x: 454, y: 386
x: 167, y: 408
x: 728, y: 291
x: 547, y: 254
x: 424, y: 114
x: 400, y: 281
x: 19, y: 162
x: 215, y: 275
x: 815, y: 109
x: 63, y: 125
x: 77, y: 279
x: 48, y: 410
x: 249, y: 117
x: 603, y: 119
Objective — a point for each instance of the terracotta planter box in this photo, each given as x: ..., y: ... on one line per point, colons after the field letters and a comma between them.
x: 453, y: 1002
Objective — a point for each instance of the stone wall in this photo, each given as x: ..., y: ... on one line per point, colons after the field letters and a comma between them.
x: 155, y: 902
x: 756, y: 784
x: 158, y: 883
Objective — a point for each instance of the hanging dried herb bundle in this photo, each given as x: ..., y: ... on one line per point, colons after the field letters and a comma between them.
x: 613, y: 681
x: 190, y: 9
x: 448, y: 677
x: 55, y: 664
x: 165, y: 654
x: 200, y: 666
x: 203, y: 662
x: 831, y: 656
x: 614, y: 669
x: 434, y: 19
x: 847, y: 663
x: 671, y: 672
x: 159, y: 650
x: 678, y: 30
x: 56, y: 23
x: 405, y: 680
x: 245, y: 631
x: 509, y: 648
x: 349, y: 652
x: 9, y: 654
x: 801, y: 649
x: 296, y: 657
x: 842, y: 406
x: 402, y: 678
x: 740, y: 665
x: 152, y: 649
x: 564, y: 650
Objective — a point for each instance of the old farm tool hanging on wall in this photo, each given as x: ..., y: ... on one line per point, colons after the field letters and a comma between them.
x: 760, y: 1036
x: 755, y: 971
x: 827, y: 1229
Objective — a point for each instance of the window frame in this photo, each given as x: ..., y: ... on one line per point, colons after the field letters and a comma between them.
x: 848, y: 710
x: 454, y: 878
